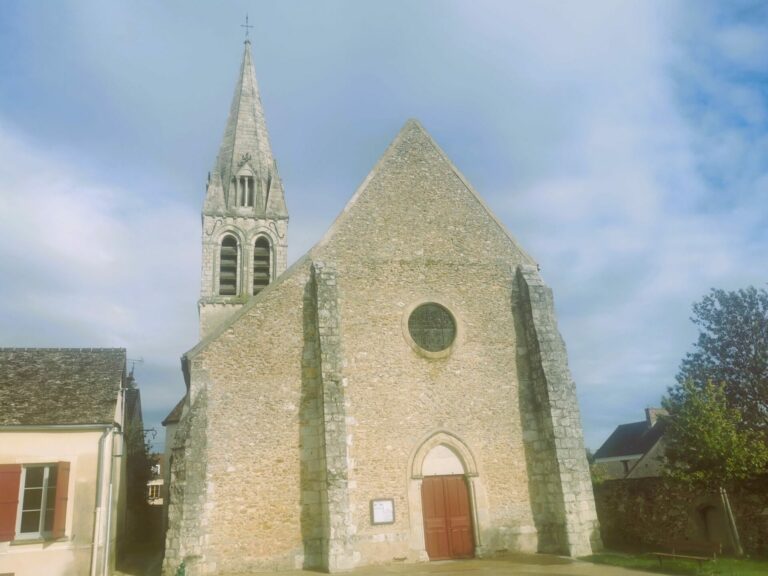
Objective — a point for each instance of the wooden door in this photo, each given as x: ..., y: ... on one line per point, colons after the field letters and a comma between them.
x: 447, y: 517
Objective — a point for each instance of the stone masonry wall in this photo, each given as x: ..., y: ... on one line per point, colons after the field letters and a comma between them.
x: 563, y: 501
x: 258, y: 517
x: 645, y: 514
x: 185, y: 538
x: 416, y: 234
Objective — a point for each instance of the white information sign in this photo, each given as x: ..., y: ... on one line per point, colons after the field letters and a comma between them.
x: 383, y: 511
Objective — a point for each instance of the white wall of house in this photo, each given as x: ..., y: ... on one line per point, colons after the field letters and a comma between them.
x: 617, y: 467
x: 72, y: 554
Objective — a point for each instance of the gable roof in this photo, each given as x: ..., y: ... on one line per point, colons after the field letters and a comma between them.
x: 631, y: 439
x: 49, y: 386
x: 174, y: 415
x: 412, y: 134
x: 414, y: 127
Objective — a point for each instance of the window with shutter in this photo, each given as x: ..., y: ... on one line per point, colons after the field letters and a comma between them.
x: 228, y: 267
x: 10, y: 479
x: 60, y: 498
x: 261, y: 264
x: 43, y: 507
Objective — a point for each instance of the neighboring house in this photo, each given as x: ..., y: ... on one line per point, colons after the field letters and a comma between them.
x: 156, y: 484
x: 640, y: 509
x: 65, y: 419
x: 137, y: 472
x: 634, y: 450
x: 170, y: 423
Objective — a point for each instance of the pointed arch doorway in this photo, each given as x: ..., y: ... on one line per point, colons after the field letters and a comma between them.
x: 447, y: 517
x: 446, y: 498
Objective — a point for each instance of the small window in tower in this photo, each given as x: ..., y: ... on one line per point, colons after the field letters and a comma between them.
x: 235, y: 190
x: 228, y: 267
x: 243, y: 190
x: 249, y: 190
x: 261, y: 264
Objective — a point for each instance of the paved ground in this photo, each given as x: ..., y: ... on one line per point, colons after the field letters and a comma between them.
x: 516, y: 565
x: 513, y: 565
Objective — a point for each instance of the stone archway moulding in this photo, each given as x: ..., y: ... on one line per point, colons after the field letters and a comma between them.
x: 445, y: 438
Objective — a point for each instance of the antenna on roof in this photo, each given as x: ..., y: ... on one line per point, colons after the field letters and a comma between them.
x: 133, y: 364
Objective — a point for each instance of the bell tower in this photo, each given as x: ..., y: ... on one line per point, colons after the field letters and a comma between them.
x: 245, y: 220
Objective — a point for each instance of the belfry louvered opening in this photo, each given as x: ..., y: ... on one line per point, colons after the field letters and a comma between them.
x: 228, y: 267
x: 261, y: 264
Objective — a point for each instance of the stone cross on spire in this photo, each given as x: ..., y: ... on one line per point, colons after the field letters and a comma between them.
x: 246, y: 26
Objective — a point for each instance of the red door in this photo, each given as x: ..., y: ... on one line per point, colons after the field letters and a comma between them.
x: 447, y: 519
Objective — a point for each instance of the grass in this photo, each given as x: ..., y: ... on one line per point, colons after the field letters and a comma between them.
x: 719, y: 567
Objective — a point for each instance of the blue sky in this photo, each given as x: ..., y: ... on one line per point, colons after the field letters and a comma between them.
x: 625, y: 145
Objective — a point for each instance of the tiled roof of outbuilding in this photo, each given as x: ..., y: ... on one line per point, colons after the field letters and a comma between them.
x: 45, y: 386
x: 631, y: 439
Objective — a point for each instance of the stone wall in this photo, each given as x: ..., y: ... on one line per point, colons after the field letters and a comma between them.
x: 185, y: 538
x: 415, y: 233
x: 254, y: 453
x: 647, y: 513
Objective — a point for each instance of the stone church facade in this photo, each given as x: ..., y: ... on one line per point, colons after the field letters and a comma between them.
x: 400, y: 393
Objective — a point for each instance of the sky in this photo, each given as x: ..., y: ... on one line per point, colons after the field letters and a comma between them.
x: 624, y: 144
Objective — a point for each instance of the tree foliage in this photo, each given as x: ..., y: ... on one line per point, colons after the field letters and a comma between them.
x: 596, y: 471
x: 732, y: 349
x: 706, y: 443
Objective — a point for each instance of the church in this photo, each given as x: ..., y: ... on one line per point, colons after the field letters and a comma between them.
x: 401, y: 393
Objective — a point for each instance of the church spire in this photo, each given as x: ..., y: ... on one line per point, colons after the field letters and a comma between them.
x: 245, y: 174
x: 245, y: 221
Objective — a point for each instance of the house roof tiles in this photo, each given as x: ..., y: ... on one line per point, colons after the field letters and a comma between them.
x: 175, y: 414
x: 49, y: 386
x: 631, y: 439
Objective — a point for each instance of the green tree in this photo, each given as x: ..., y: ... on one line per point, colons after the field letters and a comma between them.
x: 596, y: 472
x: 732, y: 348
x: 707, y: 445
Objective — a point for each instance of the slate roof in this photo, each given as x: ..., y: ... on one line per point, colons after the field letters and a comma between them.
x: 175, y: 414
x: 132, y: 404
x: 44, y: 386
x: 631, y: 439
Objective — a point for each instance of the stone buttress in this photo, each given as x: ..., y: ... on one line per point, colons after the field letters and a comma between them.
x: 561, y: 488
x: 337, y: 530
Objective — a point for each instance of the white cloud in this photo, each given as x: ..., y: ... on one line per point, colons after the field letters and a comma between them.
x: 650, y: 204
x: 624, y: 144
x: 88, y: 264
